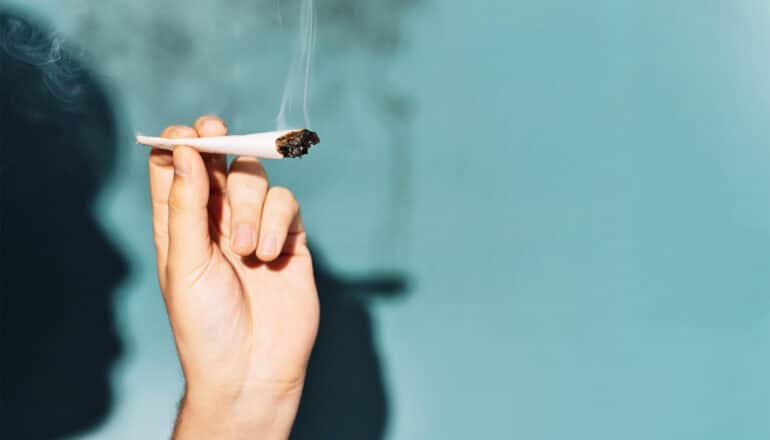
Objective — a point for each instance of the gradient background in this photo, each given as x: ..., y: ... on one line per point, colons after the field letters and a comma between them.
x: 574, y: 193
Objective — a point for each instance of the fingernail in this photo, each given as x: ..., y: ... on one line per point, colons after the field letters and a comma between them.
x: 267, y: 246
x: 182, y: 164
x: 244, y: 237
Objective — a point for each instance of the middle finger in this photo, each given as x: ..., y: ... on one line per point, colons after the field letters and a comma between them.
x: 246, y: 189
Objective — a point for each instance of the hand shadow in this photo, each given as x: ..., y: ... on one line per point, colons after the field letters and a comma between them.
x: 58, y: 269
x: 345, y: 397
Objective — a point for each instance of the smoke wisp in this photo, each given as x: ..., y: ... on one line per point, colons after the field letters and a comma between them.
x: 47, y: 52
x: 299, y: 71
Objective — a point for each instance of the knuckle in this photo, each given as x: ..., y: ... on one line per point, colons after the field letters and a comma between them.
x: 177, y: 201
x: 210, y: 124
x: 245, y: 211
x: 159, y: 157
x: 285, y: 197
x: 178, y: 131
x: 281, y: 217
x: 161, y: 244
x: 247, y: 174
x: 246, y: 165
x: 246, y: 188
x: 175, y: 205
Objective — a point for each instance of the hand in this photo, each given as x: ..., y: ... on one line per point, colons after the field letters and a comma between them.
x: 237, y: 279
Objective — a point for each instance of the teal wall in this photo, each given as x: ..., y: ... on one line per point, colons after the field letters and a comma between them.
x: 577, y: 193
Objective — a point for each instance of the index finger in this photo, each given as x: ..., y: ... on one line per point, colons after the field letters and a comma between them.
x: 161, y: 170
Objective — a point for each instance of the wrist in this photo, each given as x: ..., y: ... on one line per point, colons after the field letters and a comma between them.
x: 263, y: 412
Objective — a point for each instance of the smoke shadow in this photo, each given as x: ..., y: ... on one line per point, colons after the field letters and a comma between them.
x: 58, y: 269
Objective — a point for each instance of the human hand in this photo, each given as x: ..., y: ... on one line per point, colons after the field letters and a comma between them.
x: 237, y: 280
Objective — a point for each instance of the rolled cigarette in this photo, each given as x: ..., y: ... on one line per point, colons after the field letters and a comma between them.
x: 266, y: 145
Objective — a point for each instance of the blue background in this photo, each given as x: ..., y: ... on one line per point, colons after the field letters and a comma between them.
x: 576, y: 192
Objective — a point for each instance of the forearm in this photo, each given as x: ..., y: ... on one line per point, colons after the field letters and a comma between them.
x: 264, y: 416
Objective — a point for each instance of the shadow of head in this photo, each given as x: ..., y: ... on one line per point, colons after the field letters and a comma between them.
x: 58, y: 269
x: 345, y: 396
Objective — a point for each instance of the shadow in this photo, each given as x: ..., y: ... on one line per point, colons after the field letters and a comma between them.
x: 57, y: 267
x: 345, y: 395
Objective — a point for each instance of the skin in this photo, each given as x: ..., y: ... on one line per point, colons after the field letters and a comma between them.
x: 237, y: 280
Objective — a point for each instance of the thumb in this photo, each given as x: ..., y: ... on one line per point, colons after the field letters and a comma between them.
x: 189, y: 245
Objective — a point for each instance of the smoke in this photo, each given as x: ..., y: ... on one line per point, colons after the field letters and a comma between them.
x: 60, y: 71
x: 299, y: 72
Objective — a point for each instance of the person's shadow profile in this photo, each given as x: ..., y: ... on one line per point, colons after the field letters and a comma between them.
x: 58, y: 269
